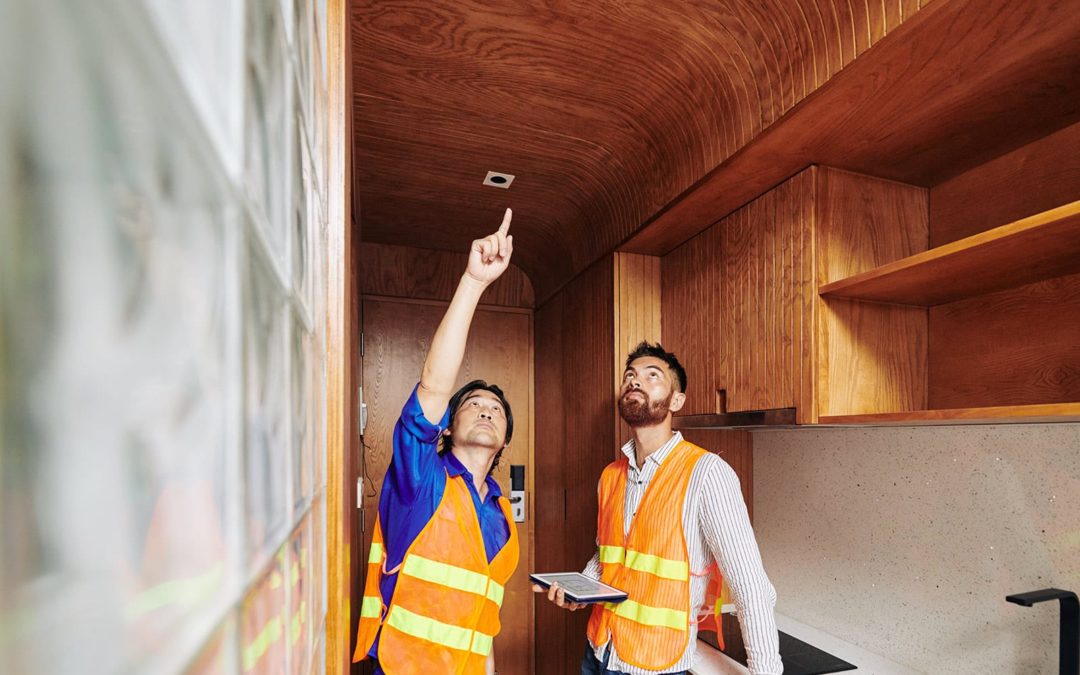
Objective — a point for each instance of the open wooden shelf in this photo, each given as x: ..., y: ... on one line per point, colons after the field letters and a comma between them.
x: 1039, y: 247
x: 1011, y: 414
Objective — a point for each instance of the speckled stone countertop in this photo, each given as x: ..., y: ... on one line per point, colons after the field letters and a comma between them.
x: 713, y: 662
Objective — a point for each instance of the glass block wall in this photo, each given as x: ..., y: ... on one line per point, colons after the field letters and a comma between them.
x: 162, y: 367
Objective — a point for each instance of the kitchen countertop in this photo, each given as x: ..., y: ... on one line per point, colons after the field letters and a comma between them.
x: 713, y: 662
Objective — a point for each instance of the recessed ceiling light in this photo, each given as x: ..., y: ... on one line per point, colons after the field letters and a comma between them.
x: 499, y: 180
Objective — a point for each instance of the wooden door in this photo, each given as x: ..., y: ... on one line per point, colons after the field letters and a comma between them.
x: 397, y: 334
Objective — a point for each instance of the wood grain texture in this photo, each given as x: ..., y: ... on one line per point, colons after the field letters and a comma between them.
x: 575, y: 342
x: 869, y: 358
x: 1031, y: 179
x: 1022, y: 414
x: 1013, y: 347
x: 606, y: 113
x: 342, y: 328
x: 397, y: 338
x: 954, y: 86
x: 636, y: 316
x: 406, y: 272
x: 737, y: 449
x: 1042, y: 246
x: 732, y: 304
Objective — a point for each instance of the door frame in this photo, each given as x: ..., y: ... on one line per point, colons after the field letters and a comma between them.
x: 342, y: 338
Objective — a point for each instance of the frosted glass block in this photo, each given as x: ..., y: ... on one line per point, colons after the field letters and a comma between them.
x: 116, y: 271
x: 300, y: 633
x: 302, y: 50
x: 267, y: 123
x: 263, y: 622
x: 220, y: 656
x: 266, y: 407
x: 318, y: 664
x: 320, y: 61
x: 320, y: 31
x: 302, y: 446
x: 205, y: 42
x: 318, y: 586
x: 300, y: 244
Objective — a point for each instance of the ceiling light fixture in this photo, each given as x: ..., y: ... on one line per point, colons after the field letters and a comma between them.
x: 499, y: 180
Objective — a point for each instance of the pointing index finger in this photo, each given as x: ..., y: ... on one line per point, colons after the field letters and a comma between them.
x: 506, y: 222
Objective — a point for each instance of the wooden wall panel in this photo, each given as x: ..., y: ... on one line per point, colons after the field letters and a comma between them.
x: 1013, y: 347
x: 1034, y: 178
x: 736, y: 448
x: 637, y: 315
x: 870, y: 357
x: 575, y: 344
x: 406, y: 272
x: 549, y: 497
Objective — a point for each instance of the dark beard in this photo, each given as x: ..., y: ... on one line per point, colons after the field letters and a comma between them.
x: 643, y: 413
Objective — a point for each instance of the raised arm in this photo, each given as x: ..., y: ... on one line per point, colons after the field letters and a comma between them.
x: 488, y: 259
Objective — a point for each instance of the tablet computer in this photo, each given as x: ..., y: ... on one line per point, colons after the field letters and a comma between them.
x: 579, y: 588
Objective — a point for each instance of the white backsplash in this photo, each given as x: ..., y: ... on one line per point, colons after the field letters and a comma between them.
x: 905, y: 541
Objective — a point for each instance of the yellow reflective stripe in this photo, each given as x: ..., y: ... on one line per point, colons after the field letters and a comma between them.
x: 375, y: 556
x: 650, y: 616
x: 428, y: 629
x: 495, y: 592
x: 481, y: 643
x: 446, y: 575
x: 371, y: 609
x: 270, y: 633
x: 664, y: 568
x: 611, y: 554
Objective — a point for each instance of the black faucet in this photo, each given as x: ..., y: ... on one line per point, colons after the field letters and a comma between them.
x: 1069, y: 648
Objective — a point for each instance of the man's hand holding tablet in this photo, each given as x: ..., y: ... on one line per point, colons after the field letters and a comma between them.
x: 573, y: 590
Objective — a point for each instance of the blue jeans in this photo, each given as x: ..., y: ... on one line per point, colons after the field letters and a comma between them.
x: 590, y: 665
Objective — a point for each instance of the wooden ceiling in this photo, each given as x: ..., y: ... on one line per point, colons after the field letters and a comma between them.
x: 605, y: 111
x: 609, y: 113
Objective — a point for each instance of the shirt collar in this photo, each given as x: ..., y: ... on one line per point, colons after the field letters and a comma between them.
x: 630, y: 450
x: 454, y: 468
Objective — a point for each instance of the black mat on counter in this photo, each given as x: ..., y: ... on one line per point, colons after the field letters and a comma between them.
x: 799, y: 658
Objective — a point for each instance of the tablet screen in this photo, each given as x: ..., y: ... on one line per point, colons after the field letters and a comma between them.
x: 579, y: 588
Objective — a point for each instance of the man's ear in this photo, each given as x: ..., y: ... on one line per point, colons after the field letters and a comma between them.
x: 446, y: 432
x: 677, y: 401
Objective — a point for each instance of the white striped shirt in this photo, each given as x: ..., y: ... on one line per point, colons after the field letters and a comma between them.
x: 717, y: 527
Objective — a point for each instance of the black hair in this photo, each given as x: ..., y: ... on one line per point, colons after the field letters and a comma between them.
x: 455, y: 403
x: 646, y: 348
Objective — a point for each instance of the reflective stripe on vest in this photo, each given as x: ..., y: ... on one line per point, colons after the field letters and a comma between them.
x: 372, y: 608
x: 649, y: 616
x: 458, y: 578
x: 447, y: 635
x: 678, y: 570
x: 375, y: 556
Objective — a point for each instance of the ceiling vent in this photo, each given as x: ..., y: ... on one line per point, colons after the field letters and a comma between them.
x: 499, y: 180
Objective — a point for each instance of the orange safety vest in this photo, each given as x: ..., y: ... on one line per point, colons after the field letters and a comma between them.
x: 651, y: 563
x: 445, y: 611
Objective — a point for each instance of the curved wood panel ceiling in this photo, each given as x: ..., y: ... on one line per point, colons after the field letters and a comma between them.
x: 605, y: 111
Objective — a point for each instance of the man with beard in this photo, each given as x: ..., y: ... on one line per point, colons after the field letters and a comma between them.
x: 670, y: 514
x: 443, y: 546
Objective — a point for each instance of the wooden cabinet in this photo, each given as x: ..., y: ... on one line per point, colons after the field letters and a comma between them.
x: 1000, y: 286
x: 1003, y: 316
x: 823, y: 295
